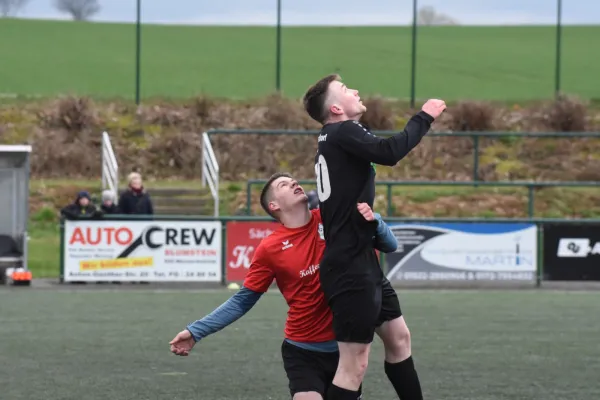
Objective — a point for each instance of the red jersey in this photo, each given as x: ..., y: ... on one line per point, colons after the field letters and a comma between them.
x: 292, y: 257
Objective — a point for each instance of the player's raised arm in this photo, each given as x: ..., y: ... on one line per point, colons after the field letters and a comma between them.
x: 356, y: 139
x: 260, y: 276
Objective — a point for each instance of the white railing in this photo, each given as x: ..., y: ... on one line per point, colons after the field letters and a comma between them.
x: 210, y: 170
x: 110, y: 168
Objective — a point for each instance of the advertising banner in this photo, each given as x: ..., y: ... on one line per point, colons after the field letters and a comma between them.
x: 243, y: 238
x: 463, y: 251
x: 112, y: 251
x: 571, y: 252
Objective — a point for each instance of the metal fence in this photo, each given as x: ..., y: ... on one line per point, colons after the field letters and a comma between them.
x: 455, y: 49
x: 389, y: 185
x: 510, y: 52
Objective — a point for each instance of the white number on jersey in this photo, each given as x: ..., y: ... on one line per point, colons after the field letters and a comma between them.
x: 323, y: 183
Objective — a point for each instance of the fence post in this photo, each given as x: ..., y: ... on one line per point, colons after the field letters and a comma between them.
x: 61, y: 277
x: 475, y: 158
x: 414, y: 56
x: 138, y: 49
x: 223, y: 252
x: 278, y: 49
x: 531, y: 200
x: 558, y: 47
x: 248, y: 197
x: 540, y: 256
x: 389, y: 200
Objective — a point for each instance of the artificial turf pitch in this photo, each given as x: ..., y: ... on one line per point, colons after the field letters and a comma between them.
x: 468, y: 345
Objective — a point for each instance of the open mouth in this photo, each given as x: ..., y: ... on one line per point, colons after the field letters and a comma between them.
x: 298, y: 191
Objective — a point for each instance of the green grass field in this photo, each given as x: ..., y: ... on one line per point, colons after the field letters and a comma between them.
x: 503, y: 63
x: 468, y: 345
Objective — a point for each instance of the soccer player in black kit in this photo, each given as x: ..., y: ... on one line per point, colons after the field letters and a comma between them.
x: 361, y: 298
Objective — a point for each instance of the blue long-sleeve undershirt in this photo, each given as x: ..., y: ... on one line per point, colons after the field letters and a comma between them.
x: 227, y: 313
x: 242, y: 301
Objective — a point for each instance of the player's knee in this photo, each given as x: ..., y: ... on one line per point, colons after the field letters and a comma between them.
x: 354, y: 372
x: 353, y: 362
x: 399, y: 347
x: 307, y: 396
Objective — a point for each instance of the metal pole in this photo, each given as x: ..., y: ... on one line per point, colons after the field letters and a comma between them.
x: 138, y: 48
x: 558, y: 46
x: 414, y: 56
x: 278, y: 49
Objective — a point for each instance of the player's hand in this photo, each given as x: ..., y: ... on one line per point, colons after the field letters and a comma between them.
x: 366, y: 211
x: 434, y: 107
x: 183, y: 343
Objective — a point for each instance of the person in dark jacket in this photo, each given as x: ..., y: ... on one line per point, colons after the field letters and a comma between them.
x: 108, y: 203
x: 81, y: 207
x: 135, y: 200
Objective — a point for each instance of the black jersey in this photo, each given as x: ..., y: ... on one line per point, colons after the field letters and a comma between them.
x: 346, y: 177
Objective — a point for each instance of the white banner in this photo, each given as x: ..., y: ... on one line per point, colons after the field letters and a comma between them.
x: 142, y: 251
x: 463, y: 251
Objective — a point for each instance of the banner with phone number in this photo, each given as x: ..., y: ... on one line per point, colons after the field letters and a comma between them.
x: 112, y: 251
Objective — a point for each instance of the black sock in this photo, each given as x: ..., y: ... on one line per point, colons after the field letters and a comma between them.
x: 337, y: 393
x: 405, y: 380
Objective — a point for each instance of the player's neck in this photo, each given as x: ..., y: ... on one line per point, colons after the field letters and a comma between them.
x: 297, y: 218
x: 340, y: 118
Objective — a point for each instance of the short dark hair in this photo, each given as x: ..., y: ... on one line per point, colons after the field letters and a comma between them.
x: 315, y: 96
x: 265, y: 194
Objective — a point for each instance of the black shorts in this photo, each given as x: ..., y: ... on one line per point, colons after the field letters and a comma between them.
x: 309, y: 371
x: 360, y: 297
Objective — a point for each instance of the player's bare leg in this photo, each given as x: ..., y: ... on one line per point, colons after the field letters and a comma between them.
x: 399, y: 365
x: 354, y: 358
x: 307, y: 396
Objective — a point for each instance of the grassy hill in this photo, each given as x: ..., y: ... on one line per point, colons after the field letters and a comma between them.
x: 497, y: 63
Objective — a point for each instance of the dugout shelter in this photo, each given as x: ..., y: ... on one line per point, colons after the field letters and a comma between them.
x: 14, y: 209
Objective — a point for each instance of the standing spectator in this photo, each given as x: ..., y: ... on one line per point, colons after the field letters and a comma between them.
x: 81, y: 207
x: 135, y: 200
x: 108, y: 203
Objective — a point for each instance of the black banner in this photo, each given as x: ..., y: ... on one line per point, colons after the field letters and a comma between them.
x: 571, y: 252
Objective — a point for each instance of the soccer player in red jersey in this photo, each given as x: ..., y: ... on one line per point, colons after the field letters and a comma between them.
x: 291, y: 256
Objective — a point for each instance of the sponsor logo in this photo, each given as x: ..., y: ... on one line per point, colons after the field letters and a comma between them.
x: 309, y: 271
x: 254, y: 233
x: 243, y: 255
x: 576, y: 247
x: 286, y: 245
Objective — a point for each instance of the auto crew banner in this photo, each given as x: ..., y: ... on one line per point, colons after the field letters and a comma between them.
x: 181, y: 251
x: 571, y: 252
x: 463, y: 252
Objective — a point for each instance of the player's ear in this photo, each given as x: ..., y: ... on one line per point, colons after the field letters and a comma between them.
x: 274, y: 206
x: 335, y: 109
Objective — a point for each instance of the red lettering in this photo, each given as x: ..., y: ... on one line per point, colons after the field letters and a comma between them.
x: 94, y: 240
x: 90, y: 236
x: 109, y: 232
x: 77, y: 237
x: 119, y: 235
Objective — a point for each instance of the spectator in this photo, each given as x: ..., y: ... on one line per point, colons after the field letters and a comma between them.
x: 313, y: 200
x: 135, y: 200
x: 81, y: 207
x: 108, y: 203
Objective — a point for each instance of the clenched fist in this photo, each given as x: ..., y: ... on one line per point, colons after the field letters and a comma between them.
x: 434, y: 107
